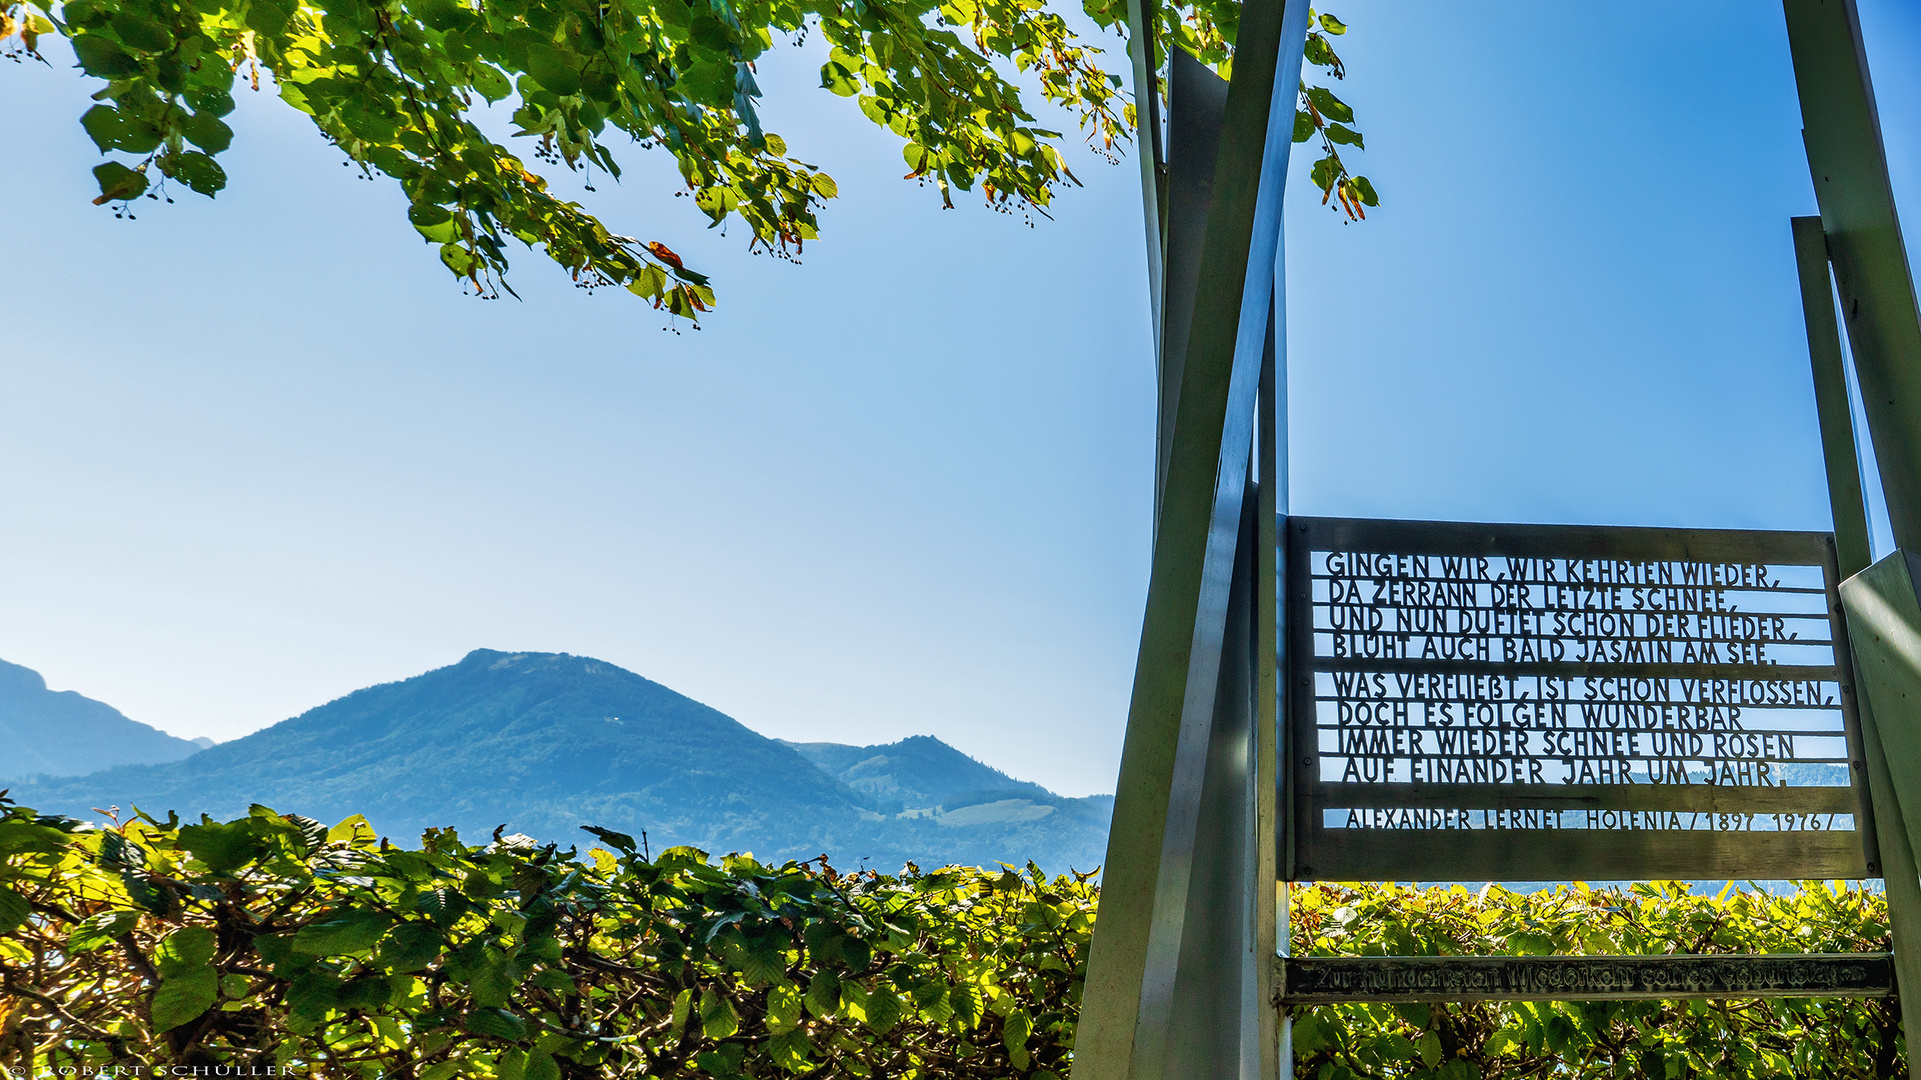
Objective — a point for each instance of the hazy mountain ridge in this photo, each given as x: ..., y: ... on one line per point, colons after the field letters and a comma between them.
x: 544, y: 742
x: 62, y: 733
x: 917, y: 772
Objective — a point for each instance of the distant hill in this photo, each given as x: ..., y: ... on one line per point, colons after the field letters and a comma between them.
x: 60, y: 733
x: 914, y: 773
x: 543, y: 743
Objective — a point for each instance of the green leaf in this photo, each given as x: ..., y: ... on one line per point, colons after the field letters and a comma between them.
x: 1429, y: 1045
x: 783, y: 1007
x: 211, y: 100
x: 1330, y: 106
x: 1015, y: 1030
x: 717, y: 1016
x: 313, y: 993
x: 499, y: 1023
x: 491, y: 84
x: 512, y: 1066
x: 1324, y: 173
x: 187, y: 949
x: 365, y: 992
x: 143, y: 34
x: 1344, y: 135
x: 724, y: 1063
x: 20, y: 837
x: 709, y: 82
x: 494, y: 979
x: 552, y: 979
x: 541, y: 1066
x: 791, y: 1050
x: 710, y: 33
x: 410, y: 947
x: 619, y: 841
x: 14, y: 909
x: 188, y: 983
x: 102, y: 929
x: 838, y: 79
x: 194, y: 169
x: 1366, y: 191
x: 1303, y: 125
x: 354, y: 832
x: 758, y: 960
x: 1310, y: 1035
x: 268, y: 17
x: 433, y: 222
x: 823, y: 994
x: 209, y: 133
x: 103, y: 59
x: 181, y: 997
x: 111, y: 129
x: 224, y: 848
x: 553, y: 69
x: 851, y: 952
x: 458, y: 259
x: 118, y: 182
x: 884, y: 1009
x: 1319, y: 52
x: 968, y: 1003
x: 1333, y: 25
x: 443, y: 906
x: 342, y: 933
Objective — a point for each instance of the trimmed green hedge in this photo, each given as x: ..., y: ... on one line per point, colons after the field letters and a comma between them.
x: 275, y: 942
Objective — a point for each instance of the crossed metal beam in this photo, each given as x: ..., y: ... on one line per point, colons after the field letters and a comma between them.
x: 1181, y: 968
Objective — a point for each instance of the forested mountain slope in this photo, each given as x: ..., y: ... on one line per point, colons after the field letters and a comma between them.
x: 542, y: 743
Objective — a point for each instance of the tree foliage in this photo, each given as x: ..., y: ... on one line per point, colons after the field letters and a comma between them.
x: 273, y: 940
x: 412, y: 89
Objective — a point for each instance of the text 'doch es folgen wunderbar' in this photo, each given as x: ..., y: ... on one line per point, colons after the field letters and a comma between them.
x: 1443, y: 670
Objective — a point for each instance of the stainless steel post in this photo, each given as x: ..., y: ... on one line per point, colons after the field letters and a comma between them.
x: 1190, y: 743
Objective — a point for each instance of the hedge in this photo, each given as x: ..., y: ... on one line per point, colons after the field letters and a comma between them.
x: 274, y: 945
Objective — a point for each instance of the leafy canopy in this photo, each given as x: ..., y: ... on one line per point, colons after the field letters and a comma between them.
x: 404, y: 88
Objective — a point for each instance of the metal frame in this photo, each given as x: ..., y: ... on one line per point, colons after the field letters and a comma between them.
x: 1192, y: 907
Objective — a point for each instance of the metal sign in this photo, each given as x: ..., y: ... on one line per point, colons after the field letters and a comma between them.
x: 1522, y: 702
x: 1313, y: 980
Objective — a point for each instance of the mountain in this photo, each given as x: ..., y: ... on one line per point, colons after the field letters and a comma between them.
x: 542, y: 743
x: 915, y: 773
x: 60, y: 733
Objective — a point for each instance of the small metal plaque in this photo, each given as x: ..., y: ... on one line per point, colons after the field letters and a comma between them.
x: 1325, y: 980
x: 1524, y: 702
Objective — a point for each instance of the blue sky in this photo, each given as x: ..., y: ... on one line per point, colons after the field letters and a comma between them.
x: 259, y: 452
